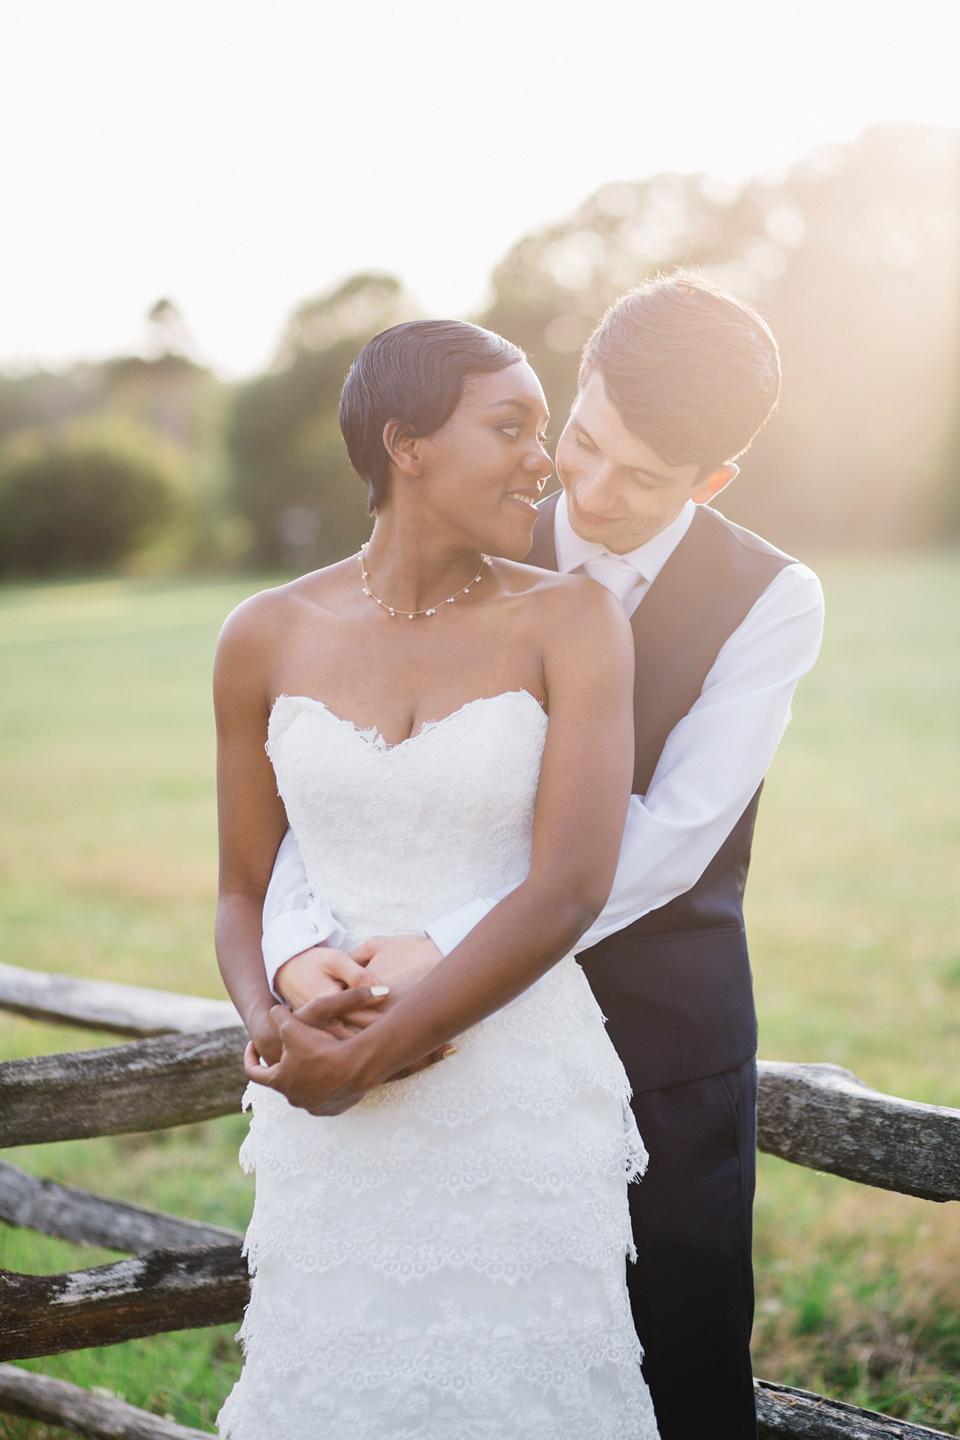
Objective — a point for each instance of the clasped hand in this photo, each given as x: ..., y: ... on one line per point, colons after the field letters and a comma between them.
x: 336, y: 997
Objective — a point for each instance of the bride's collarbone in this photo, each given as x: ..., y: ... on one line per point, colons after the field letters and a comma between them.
x: 399, y: 676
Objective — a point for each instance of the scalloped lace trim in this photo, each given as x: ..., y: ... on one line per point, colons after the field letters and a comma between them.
x: 557, y: 1375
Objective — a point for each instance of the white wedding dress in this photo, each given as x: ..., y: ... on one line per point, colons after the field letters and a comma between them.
x: 445, y: 1261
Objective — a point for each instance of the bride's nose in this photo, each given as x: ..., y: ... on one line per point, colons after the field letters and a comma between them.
x: 540, y: 463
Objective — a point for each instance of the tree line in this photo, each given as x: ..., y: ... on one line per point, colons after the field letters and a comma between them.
x: 853, y: 256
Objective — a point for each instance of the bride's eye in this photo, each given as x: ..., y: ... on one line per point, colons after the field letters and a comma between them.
x: 513, y: 430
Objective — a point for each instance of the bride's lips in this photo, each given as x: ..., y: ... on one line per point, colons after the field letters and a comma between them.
x: 528, y: 499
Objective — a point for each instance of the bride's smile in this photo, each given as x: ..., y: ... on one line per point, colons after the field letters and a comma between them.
x: 475, y: 481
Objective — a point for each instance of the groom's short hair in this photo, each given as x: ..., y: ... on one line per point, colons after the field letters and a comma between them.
x: 415, y: 374
x: 692, y: 371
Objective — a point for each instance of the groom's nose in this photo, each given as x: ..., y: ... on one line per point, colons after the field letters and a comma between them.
x: 596, y: 490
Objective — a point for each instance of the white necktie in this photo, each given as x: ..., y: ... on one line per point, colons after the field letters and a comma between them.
x: 614, y: 572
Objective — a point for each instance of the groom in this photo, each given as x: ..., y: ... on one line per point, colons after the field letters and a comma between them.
x: 675, y: 382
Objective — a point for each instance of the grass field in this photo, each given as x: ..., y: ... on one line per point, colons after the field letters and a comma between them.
x: 108, y: 860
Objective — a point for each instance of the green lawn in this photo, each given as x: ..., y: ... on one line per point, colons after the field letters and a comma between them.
x: 107, y: 869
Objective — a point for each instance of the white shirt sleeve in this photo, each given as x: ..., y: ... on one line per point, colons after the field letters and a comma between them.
x: 712, y: 762
x: 294, y: 919
x: 447, y: 932
x: 717, y: 755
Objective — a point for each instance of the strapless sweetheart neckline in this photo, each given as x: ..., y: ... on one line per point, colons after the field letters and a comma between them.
x: 372, y: 736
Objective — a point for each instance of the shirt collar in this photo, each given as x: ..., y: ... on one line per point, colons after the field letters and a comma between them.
x: 647, y: 559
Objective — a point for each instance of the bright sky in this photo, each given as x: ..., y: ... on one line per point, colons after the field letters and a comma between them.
x: 239, y: 156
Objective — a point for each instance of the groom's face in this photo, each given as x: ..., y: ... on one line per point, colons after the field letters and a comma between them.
x: 619, y: 492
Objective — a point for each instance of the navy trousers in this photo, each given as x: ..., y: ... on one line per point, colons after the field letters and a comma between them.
x: 691, y: 1289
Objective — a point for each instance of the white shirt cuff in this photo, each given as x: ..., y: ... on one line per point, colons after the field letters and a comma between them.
x: 447, y: 932
x: 294, y: 932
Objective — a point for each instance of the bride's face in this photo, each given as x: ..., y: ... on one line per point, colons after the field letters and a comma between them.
x: 485, y: 468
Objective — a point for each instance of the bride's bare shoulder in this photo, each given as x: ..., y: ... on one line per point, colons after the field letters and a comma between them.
x: 265, y: 617
x: 560, y: 595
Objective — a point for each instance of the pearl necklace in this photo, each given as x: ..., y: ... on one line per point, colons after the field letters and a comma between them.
x: 393, y: 611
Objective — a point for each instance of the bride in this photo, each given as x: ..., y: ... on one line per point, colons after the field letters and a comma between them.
x: 445, y: 1260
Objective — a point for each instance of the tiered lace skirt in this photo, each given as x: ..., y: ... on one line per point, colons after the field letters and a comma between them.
x: 446, y: 1260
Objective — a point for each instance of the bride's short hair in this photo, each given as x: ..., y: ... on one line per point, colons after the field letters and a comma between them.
x: 414, y: 374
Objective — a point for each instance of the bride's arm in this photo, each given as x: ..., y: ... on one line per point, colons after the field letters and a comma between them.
x: 252, y: 821
x: 581, y: 804
x: 251, y: 816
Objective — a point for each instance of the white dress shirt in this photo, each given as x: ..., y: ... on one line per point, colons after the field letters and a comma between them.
x: 711, y: 764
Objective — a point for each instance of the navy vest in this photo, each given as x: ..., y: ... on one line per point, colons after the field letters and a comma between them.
x: 675, y: 986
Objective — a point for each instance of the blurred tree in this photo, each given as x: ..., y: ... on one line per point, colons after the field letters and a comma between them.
x: 167, y: 332
x: 47, y: 401
x: 865, y: 311
x: 86, y: 501
x: 853, y: 256
x: 293, y: 482
x: 168, y: 395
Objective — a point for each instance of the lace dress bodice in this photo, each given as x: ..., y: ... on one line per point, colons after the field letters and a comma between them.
x: 395, y: 835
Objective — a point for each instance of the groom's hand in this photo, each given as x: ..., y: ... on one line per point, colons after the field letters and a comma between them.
x: 400, y: 961
x: 322, y: 970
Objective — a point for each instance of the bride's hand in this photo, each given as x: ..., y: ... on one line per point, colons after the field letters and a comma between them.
x: 314, y: 1070
x: 264, y: 1036
x: 400, y: 961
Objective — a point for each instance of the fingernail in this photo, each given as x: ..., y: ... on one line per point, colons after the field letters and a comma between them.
x: 379, y: 989
x: 447, y: 1051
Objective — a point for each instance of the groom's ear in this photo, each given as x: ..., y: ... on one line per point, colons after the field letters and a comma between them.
x: 713, y: 483
x: 403, y: 449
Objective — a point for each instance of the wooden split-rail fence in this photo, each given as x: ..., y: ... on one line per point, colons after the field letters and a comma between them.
x: 185, y: 1065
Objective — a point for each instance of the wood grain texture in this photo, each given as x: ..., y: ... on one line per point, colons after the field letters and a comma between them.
x: 101, y: 1005
x: 150, y: 1294
x: 68, y: 1213
x: 787, y: 1414
x: 57, y: 1402
x: 145, y: 1085
x: 823, y: 1117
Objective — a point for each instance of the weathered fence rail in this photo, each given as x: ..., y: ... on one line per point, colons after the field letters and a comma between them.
x: 823, y: 1117
x: 820, y: 1116
x: 38, y: 1397
x: 143, y: 1085
x: 68, y: 1213
x: 100, y: 1005
x: 186, y: 1066
x: 801, y: 1415
x: 145, y: 1295
x: 782, y: 1412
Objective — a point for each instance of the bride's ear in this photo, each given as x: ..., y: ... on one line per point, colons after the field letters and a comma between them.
x: 402, y: 448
